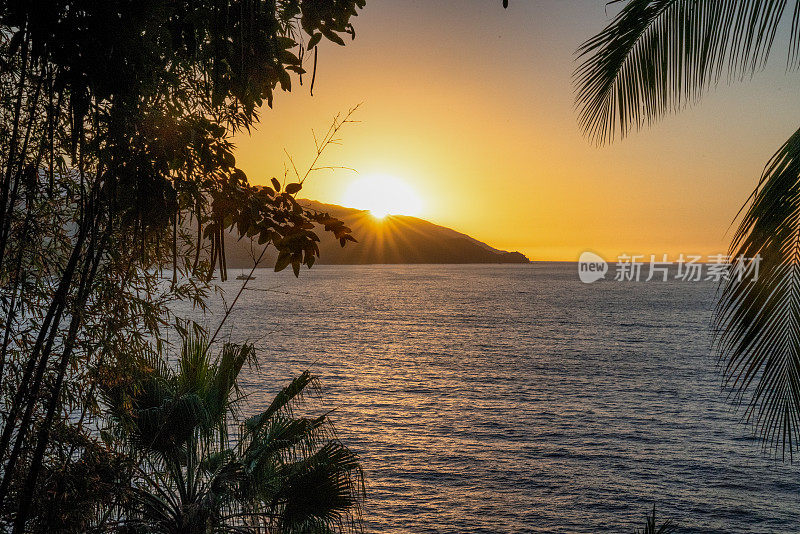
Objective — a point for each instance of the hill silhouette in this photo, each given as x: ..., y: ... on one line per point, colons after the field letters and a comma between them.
x: 391, y: 240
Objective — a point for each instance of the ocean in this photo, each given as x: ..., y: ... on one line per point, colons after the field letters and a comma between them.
x: 514, y: 398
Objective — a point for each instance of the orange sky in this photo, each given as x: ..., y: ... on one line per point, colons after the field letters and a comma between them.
x: 472, y: 106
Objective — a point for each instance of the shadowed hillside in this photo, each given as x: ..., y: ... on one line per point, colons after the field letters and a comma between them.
x: 394, y: 239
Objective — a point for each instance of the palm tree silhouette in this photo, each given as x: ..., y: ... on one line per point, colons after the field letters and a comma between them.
x: 281, y: 473
x: 655, y: 57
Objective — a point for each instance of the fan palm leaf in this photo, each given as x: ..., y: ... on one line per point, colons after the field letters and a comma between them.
x: 283, y: 473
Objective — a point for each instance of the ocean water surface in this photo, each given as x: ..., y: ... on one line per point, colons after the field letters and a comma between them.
x: 514, y: 398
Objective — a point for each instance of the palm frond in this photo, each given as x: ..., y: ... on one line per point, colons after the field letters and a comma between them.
x: 286, y: 473
x: 658, y: 55
x: 322, y: 490
x: 283, y: 400
x: 167, y: 428
x: 226, y: 372
x: 195, y: 370
x: 286, y: 437
x: 651, y: 527
x: 758, y: 320
x: 213, y: 380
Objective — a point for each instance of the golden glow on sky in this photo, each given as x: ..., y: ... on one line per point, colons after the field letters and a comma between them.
x: 382, y: 195
x: 484, y: 129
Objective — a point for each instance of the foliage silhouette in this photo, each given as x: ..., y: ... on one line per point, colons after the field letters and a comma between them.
x: 116, y: 121
x: 651, y: 527
x: 657, y: 56
x: 277, y: 473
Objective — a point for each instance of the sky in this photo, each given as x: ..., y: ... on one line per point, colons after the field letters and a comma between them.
x: 472, y: 107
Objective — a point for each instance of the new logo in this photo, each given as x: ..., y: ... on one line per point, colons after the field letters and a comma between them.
x: 591, y: 267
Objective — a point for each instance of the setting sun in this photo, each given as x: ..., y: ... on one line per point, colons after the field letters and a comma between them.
x: 382, y: 195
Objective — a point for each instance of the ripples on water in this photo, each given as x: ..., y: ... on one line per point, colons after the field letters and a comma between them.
x: 517, y: 399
